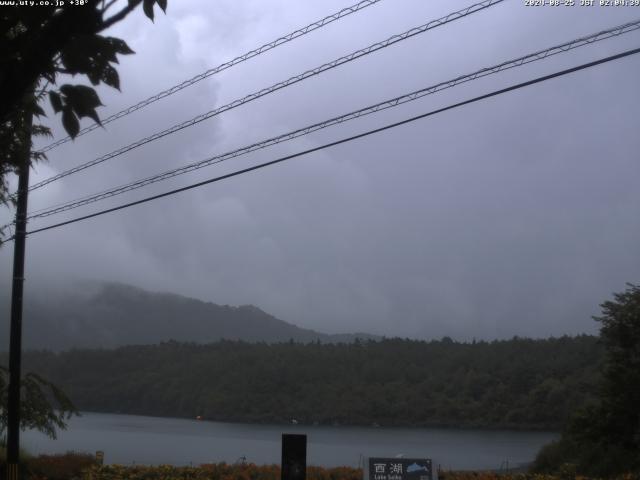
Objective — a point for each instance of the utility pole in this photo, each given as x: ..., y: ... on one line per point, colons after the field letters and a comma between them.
x: 15, y: 341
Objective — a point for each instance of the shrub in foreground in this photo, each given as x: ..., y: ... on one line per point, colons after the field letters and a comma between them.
x: 567, y: 473
x: 219, y: 471
x: 59, y: 467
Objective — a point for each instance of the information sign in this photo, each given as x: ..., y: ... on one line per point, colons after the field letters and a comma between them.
x: 400, y: 469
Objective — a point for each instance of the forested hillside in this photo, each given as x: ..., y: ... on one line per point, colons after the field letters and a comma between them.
x: 518, y: 383
x: 109, y: 315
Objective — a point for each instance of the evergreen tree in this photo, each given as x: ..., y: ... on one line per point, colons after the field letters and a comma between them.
x: 604, y: 438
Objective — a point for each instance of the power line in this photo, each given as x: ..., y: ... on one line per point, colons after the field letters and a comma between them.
x: 529, y: 58
x: 347, y: 139
x: 223, y: 66
x: 286, y: 83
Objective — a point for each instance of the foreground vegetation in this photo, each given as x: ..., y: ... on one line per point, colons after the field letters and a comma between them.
x: 51, y: 467
x: 73, y: 465
x: 563, y: 475
x: 78, y: 466
x: 603, y: 438
x: 272, y: 472
x: 518, y: 383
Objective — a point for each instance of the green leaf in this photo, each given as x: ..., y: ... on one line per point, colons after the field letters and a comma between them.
x: 90, y: 112
x: 38, y: 111
x: 76, y: 56
x: 120, y: 46
x: 147, y: 6
x: 83, y: 100
x: 50, y: 76
x: 88, y: 54
x: 81, y: 96
x: 70, y: 122
x: 94, y: 77
x: 56, y: 101
x: 163, y: 5
x: 41, y: 131
x: 110, y: 77
x: 103, y: 49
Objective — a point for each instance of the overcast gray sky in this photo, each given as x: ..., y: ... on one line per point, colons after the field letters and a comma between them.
x: 514, y: 216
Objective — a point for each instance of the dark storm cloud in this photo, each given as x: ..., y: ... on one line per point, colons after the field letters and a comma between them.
x: 514, y: 216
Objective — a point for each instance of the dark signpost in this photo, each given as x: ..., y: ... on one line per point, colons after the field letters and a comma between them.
x: 400, y: 469
x: 294, y: 457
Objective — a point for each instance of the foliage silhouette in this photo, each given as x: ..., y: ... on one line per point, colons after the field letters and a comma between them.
x: 36, y: 46
x: 603, y: 438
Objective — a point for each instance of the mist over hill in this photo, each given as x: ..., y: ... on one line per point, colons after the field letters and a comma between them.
x: 108, y: 315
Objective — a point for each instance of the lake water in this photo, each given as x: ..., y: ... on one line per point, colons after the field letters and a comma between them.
x: 128, y: 439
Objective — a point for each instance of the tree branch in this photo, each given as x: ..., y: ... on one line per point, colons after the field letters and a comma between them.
x: 120, y: 15
x: 43, y: 89
x: 107, y: 6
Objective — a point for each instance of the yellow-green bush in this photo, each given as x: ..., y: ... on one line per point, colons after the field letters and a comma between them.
x: 521, y: 476
x: 220, y: 471
x: 59, y: 467
x: 82, y: 467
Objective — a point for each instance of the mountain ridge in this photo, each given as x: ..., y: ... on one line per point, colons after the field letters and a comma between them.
x: 117, y: 314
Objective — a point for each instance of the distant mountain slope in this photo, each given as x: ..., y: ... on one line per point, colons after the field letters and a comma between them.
x: 111, y: 315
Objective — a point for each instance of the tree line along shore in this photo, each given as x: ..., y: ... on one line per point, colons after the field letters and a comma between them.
x: 518, y: 383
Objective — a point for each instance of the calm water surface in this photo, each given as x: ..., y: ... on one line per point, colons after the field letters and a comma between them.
x: 128, y: 439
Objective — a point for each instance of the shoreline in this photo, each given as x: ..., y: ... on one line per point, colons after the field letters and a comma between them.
x: 299, y: 424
